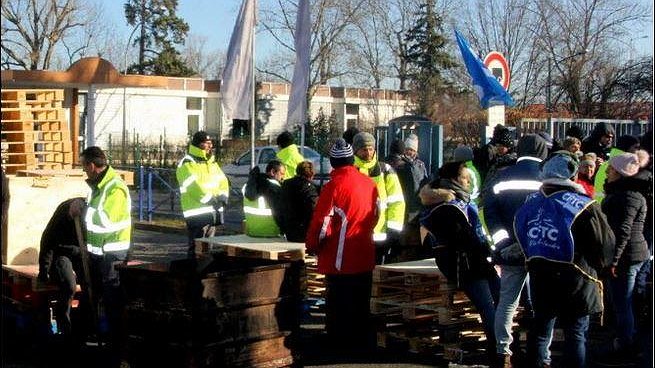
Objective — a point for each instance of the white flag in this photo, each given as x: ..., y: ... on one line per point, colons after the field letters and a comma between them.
x: 236, y: 85
x: 297, y: 112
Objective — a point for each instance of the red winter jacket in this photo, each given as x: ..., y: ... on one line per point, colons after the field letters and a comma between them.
x: 341, y: 230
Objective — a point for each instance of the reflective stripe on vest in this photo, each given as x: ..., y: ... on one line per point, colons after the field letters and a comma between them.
x: 198, y: 211
x: 104, y: 235
x: 531, y: 185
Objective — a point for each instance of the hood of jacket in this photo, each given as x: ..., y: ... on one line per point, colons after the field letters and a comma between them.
x: 600, y: 130
x: 532, y: 145
x: 433, y: 196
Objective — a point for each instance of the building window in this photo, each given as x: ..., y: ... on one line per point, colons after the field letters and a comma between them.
x: 240, y: 128
x: 193, y: 123
x: 194, y: 103
x: 352, y: 109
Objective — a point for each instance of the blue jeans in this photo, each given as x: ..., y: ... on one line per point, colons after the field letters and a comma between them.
x: 622, y: 288
x: 575, y: 338
x: 483, y: 293
x: 512, y: 281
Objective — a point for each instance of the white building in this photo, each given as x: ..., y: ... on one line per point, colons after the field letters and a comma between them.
x: 103, y: 105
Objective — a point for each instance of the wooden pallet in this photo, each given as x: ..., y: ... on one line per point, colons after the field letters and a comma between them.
x: 32, y: 118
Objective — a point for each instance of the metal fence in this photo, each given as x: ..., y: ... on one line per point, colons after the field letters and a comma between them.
x: 558, y: 126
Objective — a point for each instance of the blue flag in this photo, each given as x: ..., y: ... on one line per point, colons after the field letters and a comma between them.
x: 487, y: 87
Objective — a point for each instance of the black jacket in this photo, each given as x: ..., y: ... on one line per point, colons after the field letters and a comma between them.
x: 459, y: 253
x: 574, y: 290
x: 505, y: 193
x: 625, y: 208
x: 59, y: 239
x: 300, y: 196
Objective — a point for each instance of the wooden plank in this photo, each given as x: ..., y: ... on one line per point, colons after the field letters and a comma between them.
x: 29, y: 216
x: 424, y: 267
x: 245, y: 246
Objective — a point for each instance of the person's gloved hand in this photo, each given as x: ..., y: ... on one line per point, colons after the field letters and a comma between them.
x: 43, y: 276
x: 219, y: 201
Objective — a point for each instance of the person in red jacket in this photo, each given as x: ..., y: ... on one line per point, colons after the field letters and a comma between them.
x: 341, y: 235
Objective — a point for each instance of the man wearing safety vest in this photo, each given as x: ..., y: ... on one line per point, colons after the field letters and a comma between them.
x: 108, y: 223
x: 263, y: 201
x: 288, y: 154
x: 392, y: 203
x: 204, y: 190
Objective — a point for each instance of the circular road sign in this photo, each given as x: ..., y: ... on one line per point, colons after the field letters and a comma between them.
x: 497, y: 65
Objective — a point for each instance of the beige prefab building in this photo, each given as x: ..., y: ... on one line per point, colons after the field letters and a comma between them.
x: 103, y: 106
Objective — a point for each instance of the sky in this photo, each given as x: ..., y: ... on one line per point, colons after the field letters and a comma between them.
x: 215, y: 19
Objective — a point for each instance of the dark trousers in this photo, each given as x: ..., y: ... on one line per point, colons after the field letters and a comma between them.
x: 63, y: 272
x: 199, y: 227
x: 348, y: 311
x: 108, y: 295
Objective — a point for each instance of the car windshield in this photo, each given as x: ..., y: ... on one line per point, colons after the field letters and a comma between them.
x: 309, y: 153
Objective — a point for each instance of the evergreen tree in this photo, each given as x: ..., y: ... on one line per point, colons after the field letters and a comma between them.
x: 159, y: 30
x: 427, y: 59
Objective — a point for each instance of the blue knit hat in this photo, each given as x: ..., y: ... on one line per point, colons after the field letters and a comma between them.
x: 561, y: 165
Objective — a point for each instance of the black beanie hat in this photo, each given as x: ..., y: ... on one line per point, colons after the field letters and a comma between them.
x: 284, y: 140
x: 341, y: 154
x: 349, y: 134
x: 503, y: 137
x: 199, y: 137
x: 627, y: 143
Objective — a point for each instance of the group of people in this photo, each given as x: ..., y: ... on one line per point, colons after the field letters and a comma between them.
x: 507, y: 224
x: 551, y: 245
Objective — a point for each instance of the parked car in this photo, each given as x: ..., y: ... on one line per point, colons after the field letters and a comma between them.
x: 237, y: 171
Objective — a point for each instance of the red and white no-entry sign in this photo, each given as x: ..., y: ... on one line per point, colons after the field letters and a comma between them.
x: 496, y: 63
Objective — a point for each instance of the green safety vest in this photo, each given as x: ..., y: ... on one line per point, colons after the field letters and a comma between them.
x: 390, y: 193
x: 199, y: 181
x: 476, y: 181
x: 259, y: 217
x: 108, y: 216
x: 601, y: 175
x: 290, y: 158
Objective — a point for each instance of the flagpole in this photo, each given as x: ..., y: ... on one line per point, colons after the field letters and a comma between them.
x: 254, y: 91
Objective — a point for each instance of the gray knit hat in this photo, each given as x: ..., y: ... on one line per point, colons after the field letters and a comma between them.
x: 411, y: 142
x: 363, y: 139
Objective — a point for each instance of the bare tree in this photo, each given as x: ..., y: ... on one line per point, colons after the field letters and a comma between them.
x: 207, y: 63
x: 580, y: 45
x: 509, y: 27
x: 370, y: 58
x: 330, y: 19
x: 32, y: 30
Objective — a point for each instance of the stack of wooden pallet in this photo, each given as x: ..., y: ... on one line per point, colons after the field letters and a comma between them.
x: 35, y: 131
x: 419, y: 311
x: 315, y: 280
